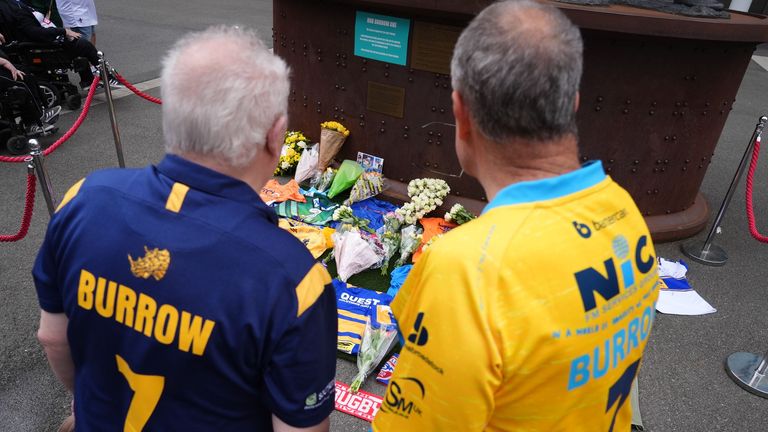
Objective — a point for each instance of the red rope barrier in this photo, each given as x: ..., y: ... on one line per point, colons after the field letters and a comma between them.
x: 26, y: 218
x: 750, y: 208
x: 133, y: 88
x: 69, y: 133
x: 79, y: 121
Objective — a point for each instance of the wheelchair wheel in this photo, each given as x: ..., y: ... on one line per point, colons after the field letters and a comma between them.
x: 50, y: 94
x: 17, y: 145
x: 73, y: 101
x: 5, y: 133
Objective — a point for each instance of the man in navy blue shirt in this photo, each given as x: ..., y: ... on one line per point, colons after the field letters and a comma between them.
x: 170, y: 298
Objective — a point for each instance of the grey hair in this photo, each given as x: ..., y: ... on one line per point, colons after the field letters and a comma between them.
x: 517, y: 67
x: 222, y: 91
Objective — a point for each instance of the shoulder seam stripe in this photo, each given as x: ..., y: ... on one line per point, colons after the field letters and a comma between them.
x: 71, y: 193
x: 310, y: 288
x: 176, y: 198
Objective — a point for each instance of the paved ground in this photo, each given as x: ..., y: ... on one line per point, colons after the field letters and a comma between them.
x: 682, y: 383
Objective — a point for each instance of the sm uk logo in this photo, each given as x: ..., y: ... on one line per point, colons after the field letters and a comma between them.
x: 606, y: 283
x: 403, y: 395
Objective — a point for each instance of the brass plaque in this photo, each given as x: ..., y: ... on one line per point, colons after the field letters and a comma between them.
x: 386, y: 99
x: 432, y: 46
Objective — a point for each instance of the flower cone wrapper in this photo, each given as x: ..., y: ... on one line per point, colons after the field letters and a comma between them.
x: 307, y: 165
x: 353, y: 254
x: 330, y: 144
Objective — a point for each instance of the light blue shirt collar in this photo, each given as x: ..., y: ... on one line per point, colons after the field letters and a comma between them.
x: 590, y: 174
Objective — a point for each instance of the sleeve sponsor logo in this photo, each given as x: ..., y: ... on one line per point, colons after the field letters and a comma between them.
x: 420, y: 336
x: 316, y: 400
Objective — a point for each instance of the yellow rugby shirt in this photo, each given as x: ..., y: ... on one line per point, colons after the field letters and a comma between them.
x: 533, y: 317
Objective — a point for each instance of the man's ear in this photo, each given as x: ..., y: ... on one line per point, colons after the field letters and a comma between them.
x: 461, y: 114
x: 276, y: 137
x: 576, y: 102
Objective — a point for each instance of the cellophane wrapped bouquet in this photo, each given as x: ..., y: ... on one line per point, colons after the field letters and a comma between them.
x: 378, y: 338
x: 389, y: 234
x: 355, y: 251
x: 410, y: 239
x: 345, y: 215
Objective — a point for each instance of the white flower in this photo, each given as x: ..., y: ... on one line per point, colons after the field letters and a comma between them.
x: 285, y: 165
x: 302, y: 144
x: 447, y: 217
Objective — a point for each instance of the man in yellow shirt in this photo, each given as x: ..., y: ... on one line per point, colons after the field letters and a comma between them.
x: 535, y: 315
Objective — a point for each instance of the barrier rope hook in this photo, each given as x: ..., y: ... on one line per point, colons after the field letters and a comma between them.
x: 29, y: 206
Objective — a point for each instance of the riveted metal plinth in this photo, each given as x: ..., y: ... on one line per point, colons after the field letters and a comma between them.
x: 748, y: 371
x: 652, y: 105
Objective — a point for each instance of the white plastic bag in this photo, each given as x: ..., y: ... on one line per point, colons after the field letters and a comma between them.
x: 307, y: 165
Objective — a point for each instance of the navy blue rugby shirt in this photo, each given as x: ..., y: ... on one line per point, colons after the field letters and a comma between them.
x: 189, y: 309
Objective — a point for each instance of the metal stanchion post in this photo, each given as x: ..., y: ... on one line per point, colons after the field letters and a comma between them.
x: 709, y: 253
x: 748, y: 370
x: 42, y: 174
x: 111, y: 106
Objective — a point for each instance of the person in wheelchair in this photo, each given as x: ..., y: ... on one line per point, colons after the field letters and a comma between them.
x: 20, y: 92
x: 18, y: 23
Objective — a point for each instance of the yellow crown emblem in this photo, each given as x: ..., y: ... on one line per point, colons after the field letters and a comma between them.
x: 154, y: 263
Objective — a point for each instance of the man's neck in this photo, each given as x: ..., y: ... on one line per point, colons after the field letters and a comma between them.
x: 245, y: 174
x: 527, y: 161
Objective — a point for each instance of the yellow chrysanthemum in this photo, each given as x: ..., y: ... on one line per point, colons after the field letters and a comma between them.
x: 335, y: 126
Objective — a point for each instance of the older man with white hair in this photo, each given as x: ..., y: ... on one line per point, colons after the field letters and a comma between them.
x: 170, y: 298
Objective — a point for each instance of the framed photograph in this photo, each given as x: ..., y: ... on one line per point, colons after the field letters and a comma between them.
x: 370, y: 162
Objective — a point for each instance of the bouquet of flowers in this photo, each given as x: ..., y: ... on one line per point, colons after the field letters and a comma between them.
x: 368, y: 185
x: 353, y: 253
x: 390, y: 237
x: 426, y: 195
x: 332, y: 137
x: 293, y: 146
x: 378, y: 337
x: 345, y: 215
x: 307, y: 165
x: 410, y: 239
x: 459, y: 215
x: 346, y: 176
x: 323, y: 179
